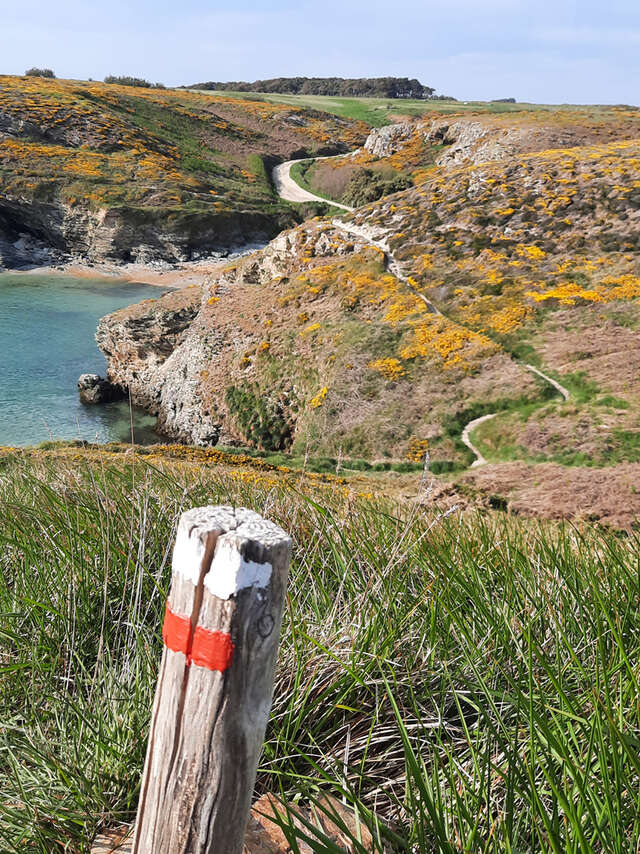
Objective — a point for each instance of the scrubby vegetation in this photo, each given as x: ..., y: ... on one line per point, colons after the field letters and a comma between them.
x: 346, y: 182
x: 367, y: 333
x: 361, y: 177
x: 139, y: 82
x: 261, y: 421
x: 367, y: 186
x: 40, y: 72
x: 506, y: 257
x: 156, y: 158
x: 466, y: 682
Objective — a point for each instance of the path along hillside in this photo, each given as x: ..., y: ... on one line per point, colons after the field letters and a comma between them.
x: 328, y: 339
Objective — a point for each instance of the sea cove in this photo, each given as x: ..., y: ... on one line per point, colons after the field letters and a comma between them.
x: 47, y: 326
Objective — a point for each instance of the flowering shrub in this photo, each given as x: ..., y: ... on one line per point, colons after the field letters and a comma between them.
x: 318, y: 400
x: 311, y: 328
x: 417, y: 450
x: 391, y: 369
x: 114, y: 144
x: 454, y: 344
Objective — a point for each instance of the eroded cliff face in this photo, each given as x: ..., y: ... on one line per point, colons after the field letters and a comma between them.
x: 489, y: 138
x: 153, y: 351
x: 467, y: 141
x: 33, y: 233
x: 163, y: 350
x: 117, y: 174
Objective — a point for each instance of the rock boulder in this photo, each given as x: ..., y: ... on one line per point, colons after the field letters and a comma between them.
x: 96, y: 389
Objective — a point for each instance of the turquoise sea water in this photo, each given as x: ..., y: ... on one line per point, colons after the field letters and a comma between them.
x: 47, y: 324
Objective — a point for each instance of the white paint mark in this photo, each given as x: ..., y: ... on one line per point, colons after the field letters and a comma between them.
x: 187, y: 554
x: 230, y: 572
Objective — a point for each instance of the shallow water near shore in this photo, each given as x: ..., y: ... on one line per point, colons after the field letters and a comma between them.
x: 47, y: 326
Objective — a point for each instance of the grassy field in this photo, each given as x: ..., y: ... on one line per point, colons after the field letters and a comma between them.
x: 383, y: 111
x: 469, y: 683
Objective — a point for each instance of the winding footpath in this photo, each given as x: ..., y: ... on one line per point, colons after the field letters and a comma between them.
x: 290, y: 191
x: 390, y: 262
x: 563, y: 391
x: 466, y: 439
x: 466, y: 433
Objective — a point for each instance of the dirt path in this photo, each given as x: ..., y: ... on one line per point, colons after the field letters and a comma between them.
x: 466, y: 440
x: 390, y: 262
x: 287, y: 189
x: 563, y: 391
x: 394, y: 268
x: 290, y: 191
x: 466, y: 433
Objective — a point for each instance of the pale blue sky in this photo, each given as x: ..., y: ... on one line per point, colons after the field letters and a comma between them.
x: 567, y: 51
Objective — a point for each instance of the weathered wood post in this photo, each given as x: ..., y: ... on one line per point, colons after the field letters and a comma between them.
x: 221, y: 634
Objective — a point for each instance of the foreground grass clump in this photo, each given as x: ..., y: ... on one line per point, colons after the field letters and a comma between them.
x: 470, y: 683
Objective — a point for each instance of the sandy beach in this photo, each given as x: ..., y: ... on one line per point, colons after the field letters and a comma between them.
x: 165, y: 276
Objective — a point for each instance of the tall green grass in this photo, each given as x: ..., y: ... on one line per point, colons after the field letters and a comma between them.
x: 469, y: 684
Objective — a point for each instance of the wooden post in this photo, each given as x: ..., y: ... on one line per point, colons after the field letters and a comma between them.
x: 221, y: 634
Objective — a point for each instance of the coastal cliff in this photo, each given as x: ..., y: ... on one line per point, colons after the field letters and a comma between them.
x: 33, y: 233
x: 287, y: 349
x: 155, y: 351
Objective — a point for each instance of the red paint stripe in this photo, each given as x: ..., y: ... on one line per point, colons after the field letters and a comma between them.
x: 213, y: 650
x: 205, y: 648
x: 176, y: 631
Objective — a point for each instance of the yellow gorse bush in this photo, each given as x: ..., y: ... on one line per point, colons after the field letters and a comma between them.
x: 454, y: 344
x: 318, y: 399
x: 391, y: 369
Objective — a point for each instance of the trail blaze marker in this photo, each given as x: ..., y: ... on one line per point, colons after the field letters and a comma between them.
x: 213, y: 650
x: 221, y: 633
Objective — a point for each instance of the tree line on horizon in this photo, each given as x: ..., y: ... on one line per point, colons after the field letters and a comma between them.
x: 359, y: 87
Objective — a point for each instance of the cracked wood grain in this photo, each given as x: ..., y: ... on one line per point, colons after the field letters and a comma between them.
x: 207, y: 726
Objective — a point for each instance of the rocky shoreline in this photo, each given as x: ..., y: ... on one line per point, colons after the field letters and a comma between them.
x: 55, y: 236
x: 160, y: 350
x: 159, y: 273
x: 95, y: 389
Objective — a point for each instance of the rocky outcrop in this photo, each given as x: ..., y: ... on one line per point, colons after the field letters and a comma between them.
x: 160, y: 350
x: 15, y: 126
x: 473, y: 141
x: 33, y: 233
x: 467, y: 141
x: 154, y: 351
x: 385, y: 141
x: 96, y: 389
